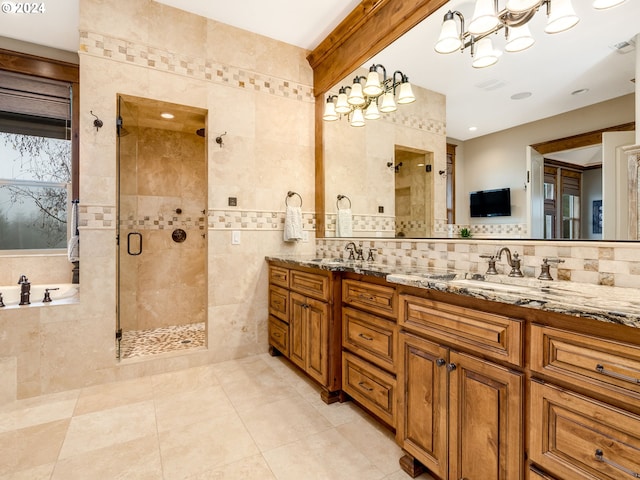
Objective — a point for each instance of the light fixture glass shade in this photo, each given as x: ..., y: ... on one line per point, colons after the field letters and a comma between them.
x: 357, y: 119
x: 562, y: 17
x: 484, y: 18
x: 388, y: 103
x: 330, y: 112
x: 449, y: 40
x: 484, y: 55
x: 355, y: 95
x: 406, y: 94
x: 342, y: 105
x: 602, y: 4
x: 372, y: 112
x: 519, y: 39
x: 372, y: 87
x: 520, y: 6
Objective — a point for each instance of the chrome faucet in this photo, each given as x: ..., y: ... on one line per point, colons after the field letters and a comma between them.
x: 512, y: 260
x: 25, y: 290
x: 353, y: 249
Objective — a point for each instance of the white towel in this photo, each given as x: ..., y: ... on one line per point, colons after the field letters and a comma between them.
x: 344, y: 223
x: 73, y: 246
x: 293, y: 224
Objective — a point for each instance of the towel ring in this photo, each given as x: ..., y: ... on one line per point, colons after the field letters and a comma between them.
x: 342, y: 197
x: 291, y: 194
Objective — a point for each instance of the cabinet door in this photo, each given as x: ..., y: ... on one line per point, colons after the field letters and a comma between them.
x: 317, y: 340
x: 486, y: 420
x: 296, y: 329
x: 423, y: 394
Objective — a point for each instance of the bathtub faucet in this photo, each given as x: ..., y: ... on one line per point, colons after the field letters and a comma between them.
x: 25, y: 290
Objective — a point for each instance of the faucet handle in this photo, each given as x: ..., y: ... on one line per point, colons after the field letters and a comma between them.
x: 552, y: 260
x: 491, y: 270
x: 23, y: 279
x: 370, y: 256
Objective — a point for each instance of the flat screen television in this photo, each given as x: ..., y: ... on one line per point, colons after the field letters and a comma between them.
x: 490, y: 203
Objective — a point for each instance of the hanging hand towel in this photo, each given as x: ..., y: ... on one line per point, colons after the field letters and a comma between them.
x: 293, y: 224
x: 344, y: 223
x: 73, y: 247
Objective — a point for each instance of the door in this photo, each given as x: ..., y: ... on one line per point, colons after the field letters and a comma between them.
x: 485, y: 420
x: 423, y: 396
x: 615, y: 185
x: 535, y: 194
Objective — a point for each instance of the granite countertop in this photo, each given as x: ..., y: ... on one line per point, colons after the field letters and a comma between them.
x: 608, y: 304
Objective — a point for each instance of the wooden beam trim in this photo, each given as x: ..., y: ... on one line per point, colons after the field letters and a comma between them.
x: 586, y: 139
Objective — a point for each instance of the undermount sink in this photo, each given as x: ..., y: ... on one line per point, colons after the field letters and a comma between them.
x: 513, y: 285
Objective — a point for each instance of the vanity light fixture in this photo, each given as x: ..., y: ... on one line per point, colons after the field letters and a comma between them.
x: 513, y: 18
x: 368, y: 102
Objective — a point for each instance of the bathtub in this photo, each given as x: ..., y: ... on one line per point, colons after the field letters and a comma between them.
x: 66, y: 293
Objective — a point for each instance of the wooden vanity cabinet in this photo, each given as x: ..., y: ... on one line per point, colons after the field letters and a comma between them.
x: 461, y: 414
x: 303, y: 323
x: 369, y: 341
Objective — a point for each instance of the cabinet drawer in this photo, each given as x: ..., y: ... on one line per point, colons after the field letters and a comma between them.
x: 371, y: 337
x: 576, y: 437
x: 374, y: 388
x: 279, y: 276
x: 604, y: 366
x: 314, y: 285
x: 279, y: 335
x: 371, y: 297
x: 490, y: 335
x: 279, y: 302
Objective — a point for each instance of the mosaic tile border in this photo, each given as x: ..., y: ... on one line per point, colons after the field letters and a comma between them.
x: 160, y: 222
x: 362, y: 224
x: 255, y: 220
x: 199, y: 68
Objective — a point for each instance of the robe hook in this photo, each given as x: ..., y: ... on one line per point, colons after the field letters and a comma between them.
x: 97, y: 122
x: 219, y: 139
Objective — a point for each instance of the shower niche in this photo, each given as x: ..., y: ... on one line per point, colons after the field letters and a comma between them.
x: 162, y: 189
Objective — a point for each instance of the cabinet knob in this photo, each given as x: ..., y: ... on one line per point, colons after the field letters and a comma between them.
x: 451, y: 367
x: 440, y: 362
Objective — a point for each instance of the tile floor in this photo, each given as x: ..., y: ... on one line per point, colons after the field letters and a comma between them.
x: 256, y: 417
x: 138, y: 343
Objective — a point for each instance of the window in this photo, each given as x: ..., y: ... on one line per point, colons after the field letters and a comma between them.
x: 38, y: 153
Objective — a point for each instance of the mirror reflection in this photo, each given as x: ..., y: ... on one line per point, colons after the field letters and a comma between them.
x: 473, y: 129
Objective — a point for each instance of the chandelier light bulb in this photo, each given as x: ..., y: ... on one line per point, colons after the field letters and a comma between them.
x: 357, y: 119
x: 356, y: 98
x: 372, y: 112
x: 372, y: 87
x: 519, y: 39
x: 406, y: 94
x: 449, y: 40
x: 388, y: 103
x: 485, y: 17
x: 330, y: 111
x: 485, y: 55
x: 562, y: 17
x: 342, y: 105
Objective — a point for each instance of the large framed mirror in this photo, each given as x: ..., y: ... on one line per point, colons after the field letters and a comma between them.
x: 517, y: 118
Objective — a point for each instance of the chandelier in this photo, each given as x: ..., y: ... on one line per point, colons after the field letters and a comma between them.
x: 488, y: 19
x: 368, y: 102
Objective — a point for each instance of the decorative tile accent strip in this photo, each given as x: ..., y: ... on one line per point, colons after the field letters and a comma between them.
x: 582, y: 262
x: 96, y: 216
x: 195, y: 67
x: 161, y: 222
x: 488, y: 230
x: 363, y: 224
x: 255, y: 220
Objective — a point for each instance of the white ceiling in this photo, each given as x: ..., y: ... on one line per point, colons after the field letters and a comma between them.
x: 553, y: 68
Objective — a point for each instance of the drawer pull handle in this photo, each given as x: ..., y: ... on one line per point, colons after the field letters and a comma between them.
x: 276, y: 334
x: 366, y: 337
x: 440, y: 362
x: 451, y: 367
x: 600, y: 458
x: 365, y: 386
x: 619, y: 376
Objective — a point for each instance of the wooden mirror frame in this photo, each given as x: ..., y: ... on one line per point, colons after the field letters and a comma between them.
x: 368, y: 29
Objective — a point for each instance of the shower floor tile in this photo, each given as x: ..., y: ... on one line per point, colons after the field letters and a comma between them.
x: 138, y: 343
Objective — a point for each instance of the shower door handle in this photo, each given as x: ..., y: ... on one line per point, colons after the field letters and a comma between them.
x: 139, y: 235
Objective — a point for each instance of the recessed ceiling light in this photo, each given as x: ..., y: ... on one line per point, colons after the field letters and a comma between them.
x: 473, y: 129
x: 580, y: 91
x: 167, y: 115
x: 520, y: 96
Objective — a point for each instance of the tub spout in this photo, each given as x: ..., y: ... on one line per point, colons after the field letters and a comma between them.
x: 25, y: 290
